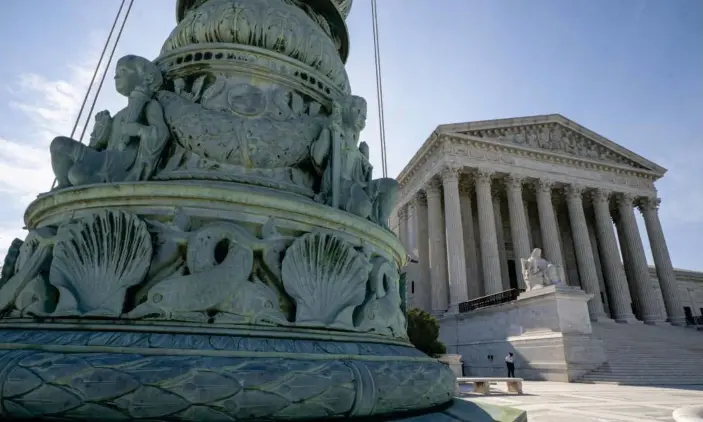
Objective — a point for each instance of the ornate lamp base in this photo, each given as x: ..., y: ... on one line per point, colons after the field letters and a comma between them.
x: 288, y: 310
x: 101, y: 371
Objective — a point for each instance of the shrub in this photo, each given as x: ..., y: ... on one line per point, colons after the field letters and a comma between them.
x: 423, y: 331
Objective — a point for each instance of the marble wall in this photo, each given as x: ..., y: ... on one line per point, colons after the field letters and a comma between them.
x: 547, y: 329
x: 690, y: 285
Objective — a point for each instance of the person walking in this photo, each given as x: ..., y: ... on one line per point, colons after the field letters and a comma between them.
x: 510, y: 363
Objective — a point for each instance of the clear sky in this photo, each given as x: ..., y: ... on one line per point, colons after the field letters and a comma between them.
x: 630, y: 70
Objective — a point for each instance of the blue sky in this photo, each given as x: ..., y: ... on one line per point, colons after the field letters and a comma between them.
x: 631, y: 70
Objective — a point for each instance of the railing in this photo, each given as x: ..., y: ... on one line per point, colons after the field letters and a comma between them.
x: 693, y: 320
x: 490, y: 300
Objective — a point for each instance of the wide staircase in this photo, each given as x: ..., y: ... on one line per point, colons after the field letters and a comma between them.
x: 641, y: 354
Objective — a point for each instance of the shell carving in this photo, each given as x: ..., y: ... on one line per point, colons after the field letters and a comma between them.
x: 327, y: 278
x: 96, y: 259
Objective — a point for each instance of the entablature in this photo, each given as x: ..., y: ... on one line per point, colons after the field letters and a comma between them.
x: 471, y: 152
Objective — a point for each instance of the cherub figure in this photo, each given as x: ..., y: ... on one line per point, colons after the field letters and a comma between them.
x: 347, y: 174
x: 125, y: 147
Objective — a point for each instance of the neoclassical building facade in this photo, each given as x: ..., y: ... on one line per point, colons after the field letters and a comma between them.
x: 477, y: 197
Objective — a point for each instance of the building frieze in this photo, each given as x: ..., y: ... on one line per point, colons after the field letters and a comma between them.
x: 553, y: 133
x: 488, y: 150
x: 475, y: 151
x: 554, y: 137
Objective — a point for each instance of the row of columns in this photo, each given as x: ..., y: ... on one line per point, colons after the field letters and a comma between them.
x: 444, y: 238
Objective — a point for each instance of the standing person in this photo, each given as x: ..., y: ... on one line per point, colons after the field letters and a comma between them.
x: 510, y: 363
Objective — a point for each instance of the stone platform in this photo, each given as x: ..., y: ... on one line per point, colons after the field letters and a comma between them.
x: 548, y: 330
x: 546, y: 401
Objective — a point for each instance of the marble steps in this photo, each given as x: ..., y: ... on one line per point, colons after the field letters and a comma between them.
x: 653, y: 335
x: 648, y: 382
x: 645, y: 374
x: 641, y: 354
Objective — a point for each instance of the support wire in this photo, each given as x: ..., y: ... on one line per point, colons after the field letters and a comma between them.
x: 97, y: 69
x: 379, y: 89
x: 107, y: 66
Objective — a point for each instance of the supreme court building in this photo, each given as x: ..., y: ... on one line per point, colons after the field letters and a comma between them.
x: 477, y: 197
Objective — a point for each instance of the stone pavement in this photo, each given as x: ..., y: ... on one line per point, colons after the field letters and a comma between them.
x: 557, y: 402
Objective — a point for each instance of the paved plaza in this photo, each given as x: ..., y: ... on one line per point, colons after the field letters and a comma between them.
x: 558, y: 402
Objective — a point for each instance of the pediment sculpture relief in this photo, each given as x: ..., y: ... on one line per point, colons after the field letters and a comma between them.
x: 554, y: 138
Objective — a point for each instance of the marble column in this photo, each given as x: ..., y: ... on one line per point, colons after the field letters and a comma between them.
x: 584, y: 251
x: 424, y: 288
x: 467, y: 223
x: 530, y: 240
x: 518, y: 223
x: 479, y: 254
x: 533, y: 221
x: 647, y: 298
x: 551, y: 247
x: 458, y: 292
x: 412, y: 224
x: 500, y: 237
x: 438, y: 252
x: 627, y: 265
x: 403, y: 225
x: 615, y: 281
x: 662, y: 261
x: 590, y: 222
x: 487, y: 232
x: 566, y: 237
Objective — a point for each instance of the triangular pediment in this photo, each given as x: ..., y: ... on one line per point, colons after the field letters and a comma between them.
x: 556, y: 134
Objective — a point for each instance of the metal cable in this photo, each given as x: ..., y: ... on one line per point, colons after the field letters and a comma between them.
x: 107, y: 66
x: 97, y: 69
x: 379, y: 89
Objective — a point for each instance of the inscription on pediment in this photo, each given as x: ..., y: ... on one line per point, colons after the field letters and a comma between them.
x: 555, y: 138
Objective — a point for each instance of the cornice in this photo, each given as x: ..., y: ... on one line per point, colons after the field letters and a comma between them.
x: 547, y: 156
x: 553, y: 118
x: 438, y: 148
x: 681, y: 275
x: 446, y: 132
x: 430, y: 145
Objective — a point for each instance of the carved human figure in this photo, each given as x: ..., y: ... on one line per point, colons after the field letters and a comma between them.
x: 544, y: 139
x: 347, y: 173
x: 538, y: 272
x: 592, y: 151
x: 26, y: 291
x: 125, y: 147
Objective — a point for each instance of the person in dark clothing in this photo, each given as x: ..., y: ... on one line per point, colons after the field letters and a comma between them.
x: 510, y: 363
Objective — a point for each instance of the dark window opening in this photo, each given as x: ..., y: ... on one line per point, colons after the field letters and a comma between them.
x: 512, y: 273
x: 689, y: 314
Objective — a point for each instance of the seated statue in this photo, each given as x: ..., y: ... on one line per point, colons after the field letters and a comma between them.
x: 126, y: 147
x: 347, y: 180
x: 538, y: 272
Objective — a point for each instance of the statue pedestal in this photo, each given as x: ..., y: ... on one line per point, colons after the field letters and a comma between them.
x: 558, y: 308
x: 547, y: 329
